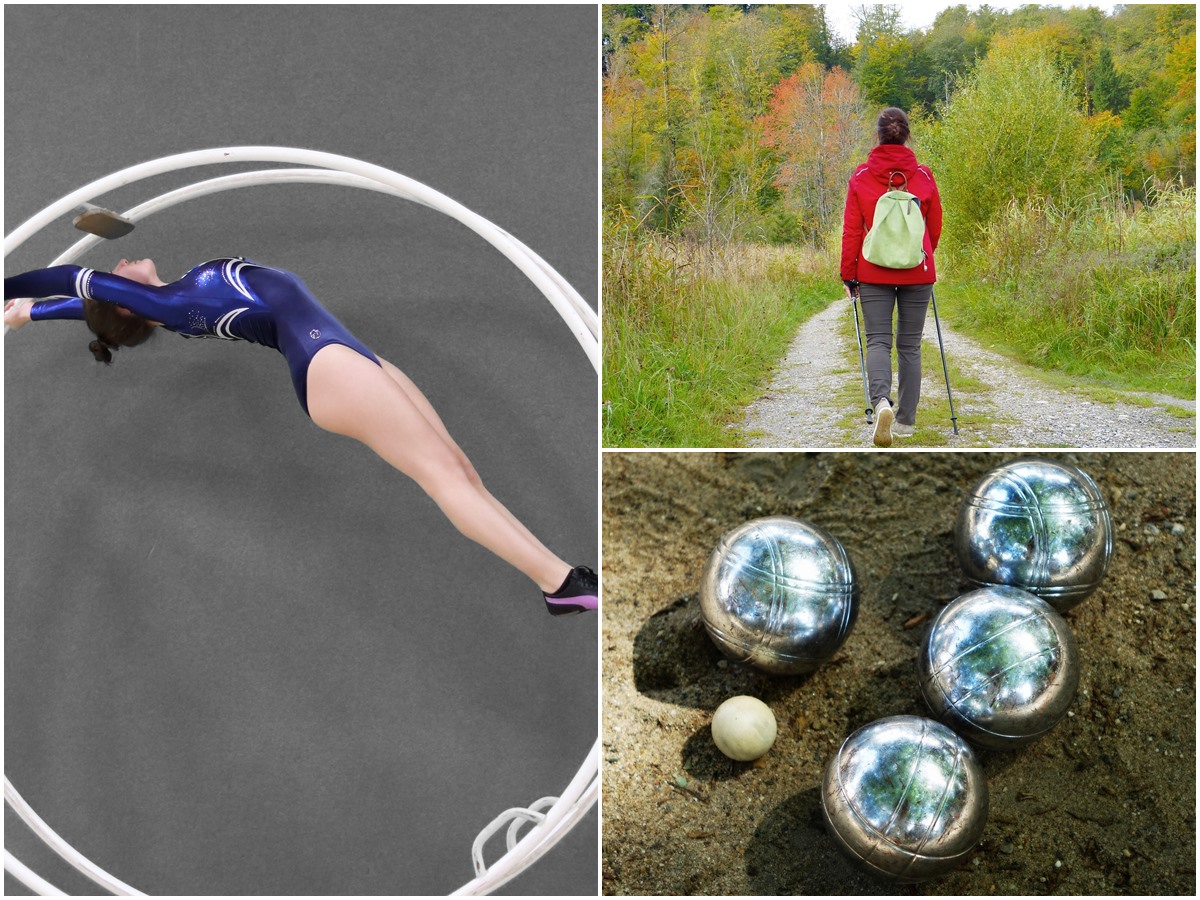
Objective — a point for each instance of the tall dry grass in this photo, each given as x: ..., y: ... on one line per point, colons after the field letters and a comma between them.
x: 689, y: 335
x: 1101, y: 287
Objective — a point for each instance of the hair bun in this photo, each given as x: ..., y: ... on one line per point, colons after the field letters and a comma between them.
x: 100, y: 351
x: 892, y: 126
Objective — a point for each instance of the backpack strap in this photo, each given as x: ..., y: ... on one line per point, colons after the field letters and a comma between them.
x: 903, y: 180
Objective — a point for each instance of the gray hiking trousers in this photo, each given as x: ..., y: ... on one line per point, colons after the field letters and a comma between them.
x: 878, y: 302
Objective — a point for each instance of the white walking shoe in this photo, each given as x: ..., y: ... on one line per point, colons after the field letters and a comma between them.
x: 899, y: 429
x: 884, y: 417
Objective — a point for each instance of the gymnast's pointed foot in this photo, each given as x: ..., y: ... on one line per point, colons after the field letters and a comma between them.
x: 580, y: 591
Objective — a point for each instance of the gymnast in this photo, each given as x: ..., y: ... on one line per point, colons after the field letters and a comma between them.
x: 341, y: 384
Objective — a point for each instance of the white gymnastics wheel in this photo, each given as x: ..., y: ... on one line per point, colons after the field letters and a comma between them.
x: 551, y: 817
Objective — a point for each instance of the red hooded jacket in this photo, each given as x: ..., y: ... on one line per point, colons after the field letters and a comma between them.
x: 870, y: 182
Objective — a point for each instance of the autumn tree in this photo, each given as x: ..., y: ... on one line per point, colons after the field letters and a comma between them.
x: 801, y: 33
x: 954, y: 45
x: 643, y: 113
x: 814, y: 125
x: 893, y: 73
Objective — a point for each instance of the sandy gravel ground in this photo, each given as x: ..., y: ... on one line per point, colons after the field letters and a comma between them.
x: 803, y: 407
x: 1104, y: 804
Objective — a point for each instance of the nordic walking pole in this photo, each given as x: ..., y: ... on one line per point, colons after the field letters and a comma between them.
x: 862, y: 362
x: 942, y: 348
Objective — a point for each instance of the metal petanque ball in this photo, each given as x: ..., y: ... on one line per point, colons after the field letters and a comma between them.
x: 780, y: 594
x: 1039, y: 525
x: 1000, y: 667
x: 905, y: 798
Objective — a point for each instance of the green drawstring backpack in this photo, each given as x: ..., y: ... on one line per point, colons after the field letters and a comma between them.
x: 897, y: 233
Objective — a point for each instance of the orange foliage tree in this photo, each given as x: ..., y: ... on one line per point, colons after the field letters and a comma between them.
x: 816, y: 126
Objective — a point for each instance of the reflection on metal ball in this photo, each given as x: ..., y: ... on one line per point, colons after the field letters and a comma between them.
x: 1039, y: 525
x: 905, y: 798
x: 780, y: 594
x: 1000, y: 667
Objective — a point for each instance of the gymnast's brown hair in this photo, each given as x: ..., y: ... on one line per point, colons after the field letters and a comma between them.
x: 114, y: 328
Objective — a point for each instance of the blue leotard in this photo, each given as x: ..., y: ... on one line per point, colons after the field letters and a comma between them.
x: 233, y: 299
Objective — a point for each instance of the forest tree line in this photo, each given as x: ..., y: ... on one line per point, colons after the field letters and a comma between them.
x: 736, y: 123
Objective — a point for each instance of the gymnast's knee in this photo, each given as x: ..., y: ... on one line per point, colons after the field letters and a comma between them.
x: 447, y: 476
x: 466, y: 471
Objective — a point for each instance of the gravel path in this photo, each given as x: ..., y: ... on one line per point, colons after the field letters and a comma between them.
x: 804, y: 404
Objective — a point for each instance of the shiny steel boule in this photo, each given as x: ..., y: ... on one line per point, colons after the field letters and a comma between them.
x: 780, y: 594
x: 1039, y: 525
x: 905, y: 798
x: 1000, y: 667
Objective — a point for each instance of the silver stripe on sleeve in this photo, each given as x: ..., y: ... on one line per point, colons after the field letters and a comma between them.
x: 83, y: 283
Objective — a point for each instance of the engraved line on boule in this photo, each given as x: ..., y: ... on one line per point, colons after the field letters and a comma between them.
x: 912, y: 774
x: 775, y: 611
x: 848, y: 605
x: 1023, y: 739
x: 991, y: 504
x: 1003, y: 672
x: 1042, y: 529
x: 958, y: 753
x: 799, y: 581
x: 742, y: 649
x: 848, y: 801
x: 891, y: 843
x: 990, y: 637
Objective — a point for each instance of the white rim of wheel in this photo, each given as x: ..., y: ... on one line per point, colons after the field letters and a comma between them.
x: 551, y: 817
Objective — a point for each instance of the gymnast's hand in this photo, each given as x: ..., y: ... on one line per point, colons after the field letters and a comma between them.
x: 16, y: 313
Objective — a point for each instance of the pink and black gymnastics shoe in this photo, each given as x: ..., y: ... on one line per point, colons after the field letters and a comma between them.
x: 579, y: 592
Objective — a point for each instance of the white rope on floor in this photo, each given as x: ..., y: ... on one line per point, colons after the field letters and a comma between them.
x: 551, y: 817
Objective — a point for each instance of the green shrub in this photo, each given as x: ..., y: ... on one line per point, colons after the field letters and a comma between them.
x: 1013, y: 132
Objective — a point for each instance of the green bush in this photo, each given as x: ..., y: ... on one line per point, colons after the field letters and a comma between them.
x: 1013, y: 132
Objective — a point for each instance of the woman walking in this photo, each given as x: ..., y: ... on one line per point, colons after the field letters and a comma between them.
x: 342, y: 386
x: 891, y: 165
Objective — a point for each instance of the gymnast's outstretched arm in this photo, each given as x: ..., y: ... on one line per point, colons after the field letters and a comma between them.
x: 61, y: 288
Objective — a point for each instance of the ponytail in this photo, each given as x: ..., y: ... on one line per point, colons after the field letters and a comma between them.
x: 101, y: 352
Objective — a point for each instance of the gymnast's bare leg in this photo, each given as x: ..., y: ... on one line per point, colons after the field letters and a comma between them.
x: 349, y: 395
x: 431, y: 416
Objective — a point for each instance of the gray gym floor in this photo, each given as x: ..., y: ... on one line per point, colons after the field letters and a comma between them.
x: 243, y: 656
